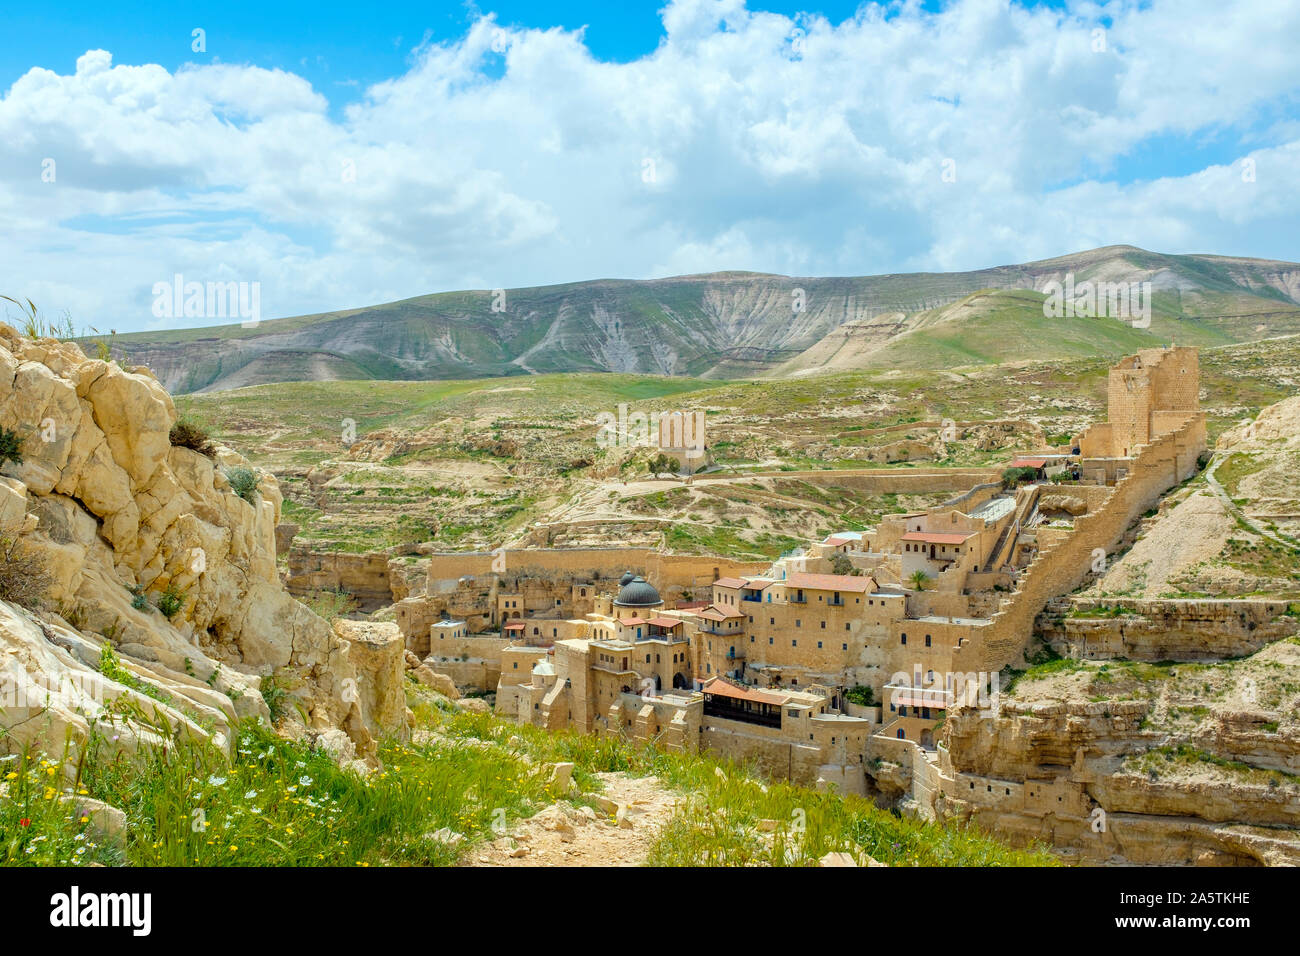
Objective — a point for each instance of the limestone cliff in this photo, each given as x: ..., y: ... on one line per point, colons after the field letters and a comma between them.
x: 1123, y: 761
x: 126, y: 522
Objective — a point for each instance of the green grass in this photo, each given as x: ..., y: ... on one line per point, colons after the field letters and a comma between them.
x: 719, y: 827
x: 713, y: 539
x: 1236, y: 467
x: 279, y: 803
x: 1190, y: 757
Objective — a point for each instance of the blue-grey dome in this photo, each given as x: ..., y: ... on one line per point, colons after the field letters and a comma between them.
x: 638, y: 592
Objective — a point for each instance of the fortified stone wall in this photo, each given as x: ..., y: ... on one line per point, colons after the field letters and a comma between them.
x: 1062, y: 568
x: 598, y: 565
x: 764, y: 748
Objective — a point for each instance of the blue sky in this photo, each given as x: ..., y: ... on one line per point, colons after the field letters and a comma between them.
x: 343, y: 156
x: 328, y: 44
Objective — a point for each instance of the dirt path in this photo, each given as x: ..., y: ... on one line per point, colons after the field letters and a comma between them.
x: 568, y: 835
x: 1212, y: 480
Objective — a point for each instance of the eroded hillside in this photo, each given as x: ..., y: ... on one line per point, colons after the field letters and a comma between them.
x: 738, y: 325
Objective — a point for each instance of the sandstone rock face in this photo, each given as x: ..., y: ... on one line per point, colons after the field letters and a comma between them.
x: 118, y: 512
x: 1157, y: 630
x: 1061, y: 773
x: 284, y: 535
x: 363, y: 576
x: 377, y: 652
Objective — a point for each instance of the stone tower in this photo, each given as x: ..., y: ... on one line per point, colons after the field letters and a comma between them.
x: 1148, y: 395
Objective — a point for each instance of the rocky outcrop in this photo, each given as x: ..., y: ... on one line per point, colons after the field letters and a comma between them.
x: 363, y: 576
x: 1158, y: 630
x: 430, y: 678
x: 377, y: 653
x: 128, y: 522
x: 1079, y: 776
x: 54, y: 691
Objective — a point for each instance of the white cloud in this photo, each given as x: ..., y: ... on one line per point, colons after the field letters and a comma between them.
x: 745, y: 141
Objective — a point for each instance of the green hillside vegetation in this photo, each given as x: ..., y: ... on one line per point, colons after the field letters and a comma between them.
x: 1010, y: 327
x: 279, y: 803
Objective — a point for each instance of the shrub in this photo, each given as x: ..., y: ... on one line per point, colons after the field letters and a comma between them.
x: 1016, y: 476
x: 861, y: 695
x: 331, y: 605
x: 11, y: 447
x: 275, y: 692
x: 243, y: 483
x: 24, y: 574
x: 662, y: 464
x: 138, y: 599
x: 187, y: 433
x: 171, y: 601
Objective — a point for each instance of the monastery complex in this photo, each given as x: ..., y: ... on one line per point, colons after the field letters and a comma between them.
x: 834, y: 665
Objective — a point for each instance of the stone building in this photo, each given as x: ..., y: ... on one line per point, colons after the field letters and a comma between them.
x: 682, y: 438
x: 771, y: 665
x: 1149, y: 395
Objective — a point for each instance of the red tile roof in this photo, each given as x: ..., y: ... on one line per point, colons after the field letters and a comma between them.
x: 721, y: 688
x: 858, y: 583
x: 715, y: 613
x: 938, y: 537
x: 1029, y: 463
x: 665, y: 621
x: 729, y: 583
x: 515, y: 626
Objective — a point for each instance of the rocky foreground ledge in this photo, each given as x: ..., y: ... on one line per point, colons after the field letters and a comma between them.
x: 142, y: 592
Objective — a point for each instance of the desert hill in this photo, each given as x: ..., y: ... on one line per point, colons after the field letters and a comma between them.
x: 737, y: 324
